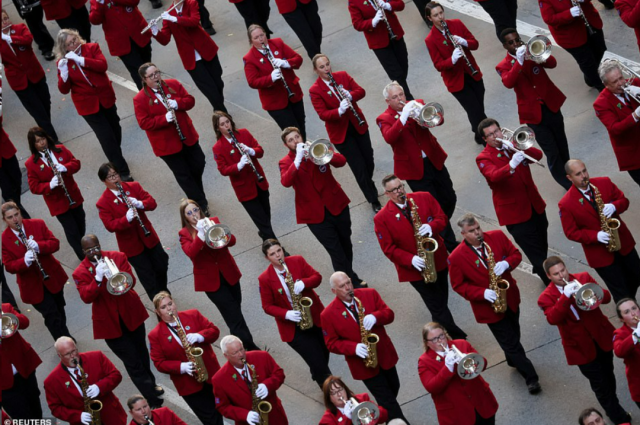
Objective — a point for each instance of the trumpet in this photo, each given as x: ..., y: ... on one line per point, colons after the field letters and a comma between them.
x: 628, y: 74
x: 519, y: 140
x: 216, y: 236
x: 470, y: 365
x: 10, y: 325
x: 588, y: 296
x: 455, y: 44
x: 363, y: 413
x: 636, y: 318
x: 319, y: 151
x: 428, y: 116
x: 119, y: 283
x: 538, y: 48
x: 341, y: 97
x: 590, y: 29
x: 159, y: 18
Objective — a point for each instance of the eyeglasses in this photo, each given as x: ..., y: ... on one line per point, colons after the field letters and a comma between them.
x: 396, y: 189
x: 336, y: 391
x: 112, y: 176
x: 494, y: 134
x: 440, y: 337
x: 154, y: 75
x: 193, y: 211
x: 70, y: 353
x: 91, y: 249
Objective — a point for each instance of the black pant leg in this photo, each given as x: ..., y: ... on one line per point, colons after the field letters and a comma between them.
x: 310, y: 346
x: 135, y: 58
x: 260, y: 215
x: 73, y: 224
x: 205, y: 16
x: 196, y: 160
x: 298, y: 21
x: 105, y: 124
x: 203, y: 404
x: 420, y: 5
x: 614, y: 277
x: 22, y: 401
x: 7, y: 294
x: 503, y: 13
x: 291, y: 116
x: 485, y: 421
x: 334, y: 233
x: 388, y: 57
x: 160, y: 263
x: 531, y: 236
x: 52, y: 310
x: 215, y: 71
x: 631, y: 268
x: 78, y: 20
x: 312, y: 16
x: 635, y: 175
x: 184, y: 165
x: 11, y: 183
x: 359, y: 155
x: 143, y: 265
x: 471, y: 98
x: 588, y: 57
x: 41, y: 36
x: 37, y: 101
x: 384, y: 388
x: 208, y: 78
x: 255, y: 12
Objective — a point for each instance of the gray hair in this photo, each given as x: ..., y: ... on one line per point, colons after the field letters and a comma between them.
x: 467, y: 220
x: 228, y: 340
x: 388, y: 87
x: 59, y: 49
x: 62, y: 340
x: 606, y: 67
x: 333, y: 277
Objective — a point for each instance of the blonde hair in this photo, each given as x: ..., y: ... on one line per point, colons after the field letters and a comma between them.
x: 158, y: 299
x: 60, y: 49
x: 432, y: 326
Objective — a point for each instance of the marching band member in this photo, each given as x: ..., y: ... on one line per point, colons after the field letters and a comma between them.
x: 629, y: 11
x: 337, y: 400
x: 539, y: 101
x: 625, y: 343
x: 33, y: 15
x: 456, y: 63
x: 82, y: 70
x: 127, y: 218
x: 303, y: 18
x: 582, y: 222
x: 620, y: 114
x: 586, y: 335
x: 69, y: 14
x: 7, y: 294
x: 343, y: 327
x: 31, y: 262
x: 10, y: 173
x: 141, y: 413
x: 20, y: 393
x: 198, y: 52
x: 469, y: 271
x: 395, y: 227
x: 122, y: 23
x: 45, y: 181
x: 509, y: 177
x: 426, y: 175
x: 167, y: 342
x: 254, y: 12
x: 233, y: 384
x: 271, y: 72
x: 348, y: 132
x: 161, y: 109
x: 473, y: 399
x: 215, y: 272
x: 321, y: 203
x: 504, y: 13
x: 278, y: 301
x: 117, y: 318
x: 63, y: 386
x: 591, y: 416
x: 243, y: 170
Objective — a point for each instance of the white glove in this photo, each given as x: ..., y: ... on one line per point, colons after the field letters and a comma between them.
x: 377, y: 18
x: 570, y: 289
x: 383, y: 4
x: 406, y: 112
x: 101, y: 271
x: 93, y: 391
x: 516, y: 160
x: 344, y: 105
x: 200, y: 225
x: 262, y: 391
x: 575, y: 11
x: 457, y: 54
x: 61, y: 168
x: 201, y: 235
x: 136, y: 203
x: 248, y: 150
x: 490, y: 295
x: 33, y: 245
x: 154, y: 29
x: 243, y: 161
x: 293, y: 316
x: 368, y: 321
x: 461, y: 41
x: 130, y: 215
x: 603, y: 237
x: 348, y: 408
x: 86, y: 418
x: 299, y: 154
x: 608, y: 210
x: 520, y: 53
x: 74, y: 57
x: 418, y: 263
x: 450, y: 360
x: 633, y: 90
x: 361, y: 351
x: 276, y: 74
x: 55, y: 182
x: 100, y: 1
x: 172, y: 104
x: 6, y: 37
x: 345, y: 93
x: 504, y: 143
x: 425, y: 229
x: 169, y: 116
x: 28, y: 258
x: 168, y: 17
x: 298, y: 287
x: 253, y: 418
x: 187, y: 368
x: 195, y: 338
x: 501, y: 267
x: 281, y: 63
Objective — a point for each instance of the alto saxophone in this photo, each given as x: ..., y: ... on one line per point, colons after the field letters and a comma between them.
x: 496, y: 284
x: 608, y: 225
x: 91, y: 405
x: 369, y: 339
x: 258, y: 405
x: 426, y: 246
x: 194, y: 354
x: 298, y: 302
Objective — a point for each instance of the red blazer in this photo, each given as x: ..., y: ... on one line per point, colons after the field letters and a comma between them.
x: 108, y: 310
x: 342, y: 333
x: 624, y: 131
x: 566, y: 30
x: 60, y: 9
x: 163, y: 416
x: 275, y: 302
x: 456, y: 399
x: 121, y: 21
x: 89, y: 95
x: 209, y: 263
x: 440, y: 50
x: 29, y: 278
x: 469, y: 277
x: 188, y: 34
x: 7, y: 150
x: 532, y: 85
x: 16, y: 351
x: 408, y: 142
x: 629, y: 11
x: 624, y: 348
x: 257, y: 69
x: 150, y: 113
x: 244, y: 182
x: 579, y: 337
x: 396, y: 236
x: 284, y: 6
x: 339, y: 419
x: 40, y: 174
x: 21, y: 64
x: 113, y: 213
x: 167, y: 352
x: 362, y: 14
x: 65, y: 400
x: 581, y: 223
x: 513, y: 194
x: 233, y: 399
x: 326, y: 104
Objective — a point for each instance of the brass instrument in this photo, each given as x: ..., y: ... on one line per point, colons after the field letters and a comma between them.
x: 496, y: 284
x: 428, y: 116
x: 261, y: 407
x: 455, y: 44
x: 341, y: 97
x: 159, y: 18
x: 608, y: 225
x: 588, y: 296
x: 376, y: 7
x: 124, y: 196
x: 165, y: 102
x: 148, y: 419
x: 628, y: 74
x: 470, y: 365
x: 538, y: 48
x: 216, y: 236
x: 91, y: 405
x: 369, y: 339
x: 270, y: 56
x: 319, y: 151
x: 364, y: 413
x: 10, y: 325
x: 519, y: 140
x: 242, y: 152
x: 426, y: 246
x: 636, y: 318
x: 119, y: 283
x: 23, y: 239
x: 57, y: 174
x: 590, y: 29
x: 194, y: 354
x: 298, y: 302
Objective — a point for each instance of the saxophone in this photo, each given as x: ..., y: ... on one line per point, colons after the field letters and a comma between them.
x: 426, y: 246
x: 194, y: 354
x: 298, y: 302
x: 90, y: 405
x: 496, y: 284
x: 257, y: 405
x: 608, y: 225
x: 369, y: 339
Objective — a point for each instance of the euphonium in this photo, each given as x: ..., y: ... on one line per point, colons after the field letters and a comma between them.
x: 364, y: 413
x: 426, y: 246
x: 608, y: 225
x: 119, y: 283
x: 319, y: 151
x: 369, y: 339
x: 194, y: 354
x: 216, y: 236
x: 257, y: 404
x: 470, y: 365
x: 427, y: 116
x: 588, y: 296
x: 91, y: 405
x: 496, y: 284
x: 10, y: 325
x: 298, y: 302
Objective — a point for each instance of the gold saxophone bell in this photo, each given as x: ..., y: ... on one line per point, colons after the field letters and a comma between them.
x: 372, y: 348
x: 194, y: 354
x: 119, y: 283
x: 10, y: 325
x: 319, y: 151
x: 470, y: 366
x: 216, y: 236
x: 614, y: 244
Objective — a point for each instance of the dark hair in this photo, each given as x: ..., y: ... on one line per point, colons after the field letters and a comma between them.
x: 486, y: 123
x: 31, y: 138
x: 287, y: 131
x: 7, y: 206
x: 427, y: 11
x: 554, y: 260
x: 326, y: 389
x: 586, y: 413
x: 134, y: 399
x: 215, y: 119
x: 386, y: 179
x: 622, y: 301
x: 505, y: 32
x: 142, y: 70
x: 267, y: 244
x: 104, y: 169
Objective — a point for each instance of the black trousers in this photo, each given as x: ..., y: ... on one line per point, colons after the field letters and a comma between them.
x: 187, y: 167
x: 358, y: 151
x: 228, y: 300
x: 305, y: 22
x: 291, y: 116
x: 438, y: 183
x: 552, y: 139
x: 22, y: 401
x: 255, y: 12
x: 205, y: 16
x: 436, y: 297
x: 507, y: 333
x: 259, y: 209
x: 152, y: 265
x: 503, y: 12
x: 600, y: 374
x: 131, y: 349
x: 106, y: 125
x: 207, y: 75
x: 74, y: 224
x: 635, y: 175
x: 311, y: 347
x: 37, y: 101
x: 420, y: 5
x: 203, y: 404
x: 52, y: 310
x: 135, y: 58
x: 78, y: 20
x: 34, y: 20
x: 7, y: 294
x: 589, y: 56
x: 385, y: 387
x: 395, y: 61
x: 485, y: 421
x: 531, y: 236
x: 11, y: 183
x: 471, y: 98
x: 622, y: 276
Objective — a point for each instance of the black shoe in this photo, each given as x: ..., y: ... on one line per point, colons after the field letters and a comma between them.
x: 210, y: 30
x: 49, y: 55
x: 156, y: 4
x: 126, y: 177
x: 360, y: 285
x: 159, y: 390
x: 375, y: 206
x: 534, y: 387
x: 608, y: 4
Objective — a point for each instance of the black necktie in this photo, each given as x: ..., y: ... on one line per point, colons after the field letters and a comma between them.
x: 352, y: 308
x: 591, y: 198
x: 245, y: 376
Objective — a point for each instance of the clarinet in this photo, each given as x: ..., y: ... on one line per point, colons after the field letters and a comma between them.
x: 375, y: 6
x: 590, y: 29
x: 135, y: 210
x: 59, y: 175
x: 342, y: 97
x: 23, y: 239
x: 165, y: 100
x: 242, y: 151
x: 271, y: 58
x: 445, y: 27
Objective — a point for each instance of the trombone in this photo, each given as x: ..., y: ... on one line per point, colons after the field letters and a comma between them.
x: 538, y: 48
x: 10, y: 325
x: 119, y: 283
x: 216, y: 236
x: 519, y: 140
x: 628, y: 74
x: 319, y: 151
x: 159, y: 18
x: 428, y: 116
x: 588, y: 296
x: 470, y: 365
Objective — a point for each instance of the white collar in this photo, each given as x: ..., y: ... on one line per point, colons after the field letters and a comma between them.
x: 401, y: 206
